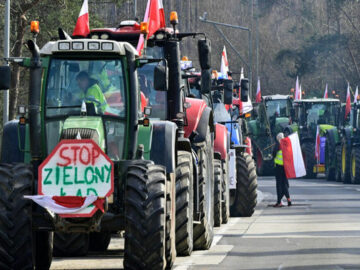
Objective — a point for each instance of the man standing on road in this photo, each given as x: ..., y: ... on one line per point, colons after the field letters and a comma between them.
x: 282, y: 183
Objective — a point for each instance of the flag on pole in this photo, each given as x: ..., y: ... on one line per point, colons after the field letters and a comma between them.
x: 356, y: 94
x: 293, y: 160
x: 326, y: 95
x: 155, y: 17
x: 67, y: 204
x: 297, y: 89
x: 348, y: 102
x: 300, y: 92
x: 82, y: 27
x: 224, y: 68
x: 317, y: 144
x: 258, y: 92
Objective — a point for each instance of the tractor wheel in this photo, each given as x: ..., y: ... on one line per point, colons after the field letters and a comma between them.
x: 355, y: 166
x: 308, y: 150
x: 99, y: 241
x: 145, y: 216
x: 263, y: 167
x: 218, y: 177
x: 329, y: 168
x: 244, y: 197
x: 184, y: 204
x: 225, y: 204
x: 345, y: 162
x: 44, y: 249
x: 204, y: 230
x: 170, y: 231
x: 70, y: 244
x: 16, y: 245
x: 338, y: 153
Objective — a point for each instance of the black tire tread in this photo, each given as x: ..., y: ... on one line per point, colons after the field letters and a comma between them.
x: 309, y: 149
x: 99, y: 241
x: 218, y: 177
x: 70, y: 244
x: 225, y: 204
x: 355, y: 179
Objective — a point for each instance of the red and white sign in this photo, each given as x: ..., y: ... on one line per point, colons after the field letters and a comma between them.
x: 293, y: 160
x: 82, y: 27
x: 77, y: 168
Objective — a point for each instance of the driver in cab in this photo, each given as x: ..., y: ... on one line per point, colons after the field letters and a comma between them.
x: 91, y: 91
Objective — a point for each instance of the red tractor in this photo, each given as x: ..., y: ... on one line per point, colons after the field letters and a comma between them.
x: 195, y: 128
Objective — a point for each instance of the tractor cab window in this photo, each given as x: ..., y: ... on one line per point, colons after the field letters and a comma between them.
x: 321, y: 113
x: 277, y: 108
x: 100, y: 84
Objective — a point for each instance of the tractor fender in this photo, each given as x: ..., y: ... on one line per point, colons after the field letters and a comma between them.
x: 347, y: 134
x: 13, y: 142
x: 163, y: 144
x: 198, y: 117
x: 220, y: 142
x: 183, y: 144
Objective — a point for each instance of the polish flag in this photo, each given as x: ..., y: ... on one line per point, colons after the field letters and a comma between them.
x: 293, y: 160
x: 356, y: 94
x: 258, y: 92
x: 348, y: 102
x: 297, y: 90
x: 67, y: 204
x: 155, y: 17
x: 317, y: 144
x: 224, y: 68
x: 326, y: 92
x: 82, y: 27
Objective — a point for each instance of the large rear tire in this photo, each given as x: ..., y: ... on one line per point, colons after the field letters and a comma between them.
x: 345, y: 162
x: 99, y: 241
x: 225, y: 204
x: 70, y: 244
x: 308, y: 150
x: 263, y: 167
x: 204, y: 230
x: 184, y: 204
x: 218, y: 178
x: 44, y: 249
x: 170, y: 245
x: 244, y: 197
x: 145, y: 216
x: 16, y: 245
x: 338, y: 163
x: 355, y: 166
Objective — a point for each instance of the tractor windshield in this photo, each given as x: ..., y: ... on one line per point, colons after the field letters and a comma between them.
x: 100, y: 84
x: 321, y: 113
x: 156, y: 99
x: 277, y: 108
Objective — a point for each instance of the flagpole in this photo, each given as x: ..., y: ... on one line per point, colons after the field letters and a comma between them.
x: 6, y: 55
x: 135, y: 8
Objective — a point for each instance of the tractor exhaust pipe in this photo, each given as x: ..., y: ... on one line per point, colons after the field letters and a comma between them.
x: 34, y: 102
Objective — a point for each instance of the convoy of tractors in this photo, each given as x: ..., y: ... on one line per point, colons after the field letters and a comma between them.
x: 163, y: 149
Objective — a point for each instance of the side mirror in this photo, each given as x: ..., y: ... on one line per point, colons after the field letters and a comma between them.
x: 244, y: 90
x: 5, y: 77
x: 205, y: 81
x: 160, y: 78
x: 204, y: 48
x: 228, y: 92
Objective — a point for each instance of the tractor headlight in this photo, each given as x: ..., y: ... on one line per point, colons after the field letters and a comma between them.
x: 107, y: 46
x: 95, y: 36
x: 160, y: 36
x: 104, y: 36
x: 93, y: 46
x: 64, y: 46
x: 78, y: 46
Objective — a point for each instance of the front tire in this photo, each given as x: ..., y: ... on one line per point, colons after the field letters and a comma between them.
x: 184, y: 204
x: 244, y: 197
x: 218, y: 177
x: 308, y: 151
x: 99, y: 241
x: 330, y: 174
x: 345, y: 162
x: 225, y: 204
x: 70, y: 244
x: 145, y: 216
x: 16, y: 245
x: 355, y: 166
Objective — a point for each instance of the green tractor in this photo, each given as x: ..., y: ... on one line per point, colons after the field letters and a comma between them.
x: 66, y: 108
x: 309, y: 114
x: 273, y: 115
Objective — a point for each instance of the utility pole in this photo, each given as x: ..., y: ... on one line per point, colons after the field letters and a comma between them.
x: 135, y: 8
x: 6, y: 55
x: 257, y: 38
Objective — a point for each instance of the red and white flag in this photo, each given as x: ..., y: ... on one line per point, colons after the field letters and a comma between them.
x: 224, y: 68
x: 82, y: 27
x: 348, y: 102
x: 67, y: 204
x: 258, y: 92
x: 317, y: 144
x: 293, y: 160
x: 297, y: 90
x: 356, y: 94
x: 326, y: 95
x: 155, y: 17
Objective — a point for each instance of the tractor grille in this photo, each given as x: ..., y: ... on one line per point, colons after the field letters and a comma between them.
x: 85, y: 133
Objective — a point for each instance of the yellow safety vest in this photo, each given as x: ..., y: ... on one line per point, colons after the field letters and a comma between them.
x: 279, y: 158
x: 96, y: 96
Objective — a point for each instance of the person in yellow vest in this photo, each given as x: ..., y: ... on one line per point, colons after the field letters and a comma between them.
x: 282, y: 183
x: 91, y: 92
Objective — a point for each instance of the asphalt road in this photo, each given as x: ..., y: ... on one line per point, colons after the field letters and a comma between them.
x: 321, y: 231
